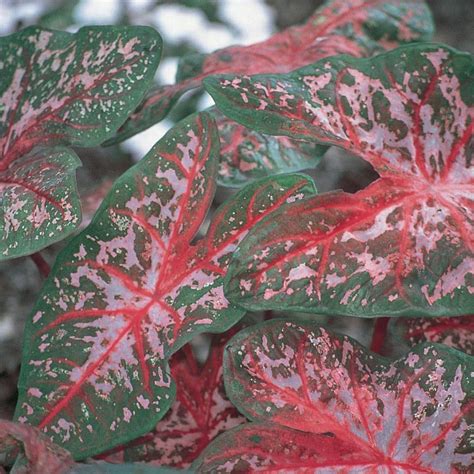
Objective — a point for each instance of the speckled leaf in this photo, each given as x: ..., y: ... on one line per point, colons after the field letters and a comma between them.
x: 38, y: 200
x: 131, y: 289
x: 273, y: 448
x: 404, y: 244
x: 31, y: 450
x: 457, y: 332
x: 413, y: 414
x: 126, y: 468
x: 247, y: 155
x: 200, y: 412
x: 356, y: 27
x: 57, y: 88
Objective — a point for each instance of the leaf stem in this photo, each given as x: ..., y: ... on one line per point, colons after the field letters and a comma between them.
x: 41, y: 264
x: 190, y: 358
x: 378, y: 336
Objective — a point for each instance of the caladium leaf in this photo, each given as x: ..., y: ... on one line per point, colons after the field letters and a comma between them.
x: 200, y: 412
x: 457, y: 332
x: 403, y: 245
x: 126, y: 468
x: 413, y: 414
x: 356, y: 27
x: 34, y: 452
x: 131, y: 289
x: 39, y: 200
x: 273, y: 448
x: 247, y: 155
x: 61, y: 89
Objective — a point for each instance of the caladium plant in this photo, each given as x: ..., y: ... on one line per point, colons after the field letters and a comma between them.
x: 132, y: 288
x: 108, y: 370
x: 356, y: 27
x: 320, y: 402
x: 59, y: 88
x: 403, y: 245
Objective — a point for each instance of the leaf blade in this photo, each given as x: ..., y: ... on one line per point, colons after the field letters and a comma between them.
x: 427, y: 170
x: 303, y: 377
x: 58, y: 88
x: 133, y: 288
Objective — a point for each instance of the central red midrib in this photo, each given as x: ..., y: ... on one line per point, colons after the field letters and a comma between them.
x: 9, y: 156
x: 209, y: 256
x: 47, y: 197
x: 72, y: 392
x: 292, y: 397
x: 198, y: 164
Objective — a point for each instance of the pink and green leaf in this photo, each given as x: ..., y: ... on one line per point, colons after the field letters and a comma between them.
x: 413, y: 414
x: 355, y: 27
x: 200, y: 412
x: 269, y: 447
x: 40, y: 204
x: 456, y: 332
x: 32, y: 451
x: 247, y: 155
x: 59, y: 88
x: 403, y: 245
x: 132, y: 288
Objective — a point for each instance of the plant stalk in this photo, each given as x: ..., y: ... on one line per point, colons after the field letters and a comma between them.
x: 378, y: 336
x: 41, y: 264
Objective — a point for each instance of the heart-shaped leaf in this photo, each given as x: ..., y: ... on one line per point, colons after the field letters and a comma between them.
x: 34, y: 452
x: 269, y: 447
x: 126, y: 468
x: 247, y: 155
x: 61, y: 88
x: 414, y: 414
x: 356, y: 27
x: 455, y: 332
x: 404, y: 244
x: 200, y: 412
x: 39, y: 200
x: 131, y: 289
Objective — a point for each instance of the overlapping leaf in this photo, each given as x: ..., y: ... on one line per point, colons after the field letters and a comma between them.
x: 457, y: 332
x: 404, y: 244
x: 58, y: 88
x: 200, y: 412
x: 34, y: 452
x: 131, y: 289
x: 356, y: 27
x: 415, y: 414
x: 247, y: 155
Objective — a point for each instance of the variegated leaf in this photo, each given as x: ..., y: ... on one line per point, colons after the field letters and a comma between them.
x: 269, y: 447
x: 457, y: 332
x: 126, y: 468
x: 59, y: 88
x: 200, y: 412
x: 131, y: 289
x: 403, y: 245
x: 414, y: 414
x: 355, y: 27
x: 32, y: 451
x: 39, y: 203
x: 247, y: 155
